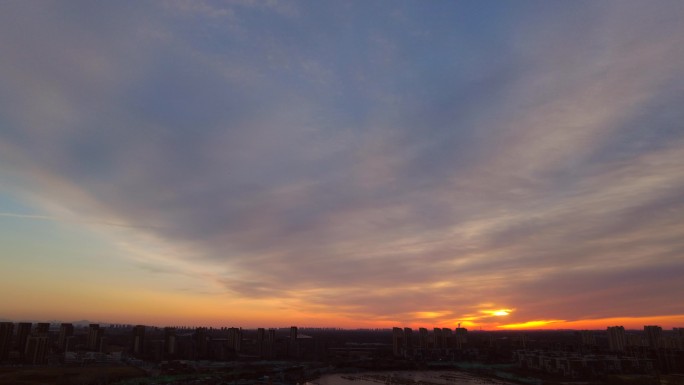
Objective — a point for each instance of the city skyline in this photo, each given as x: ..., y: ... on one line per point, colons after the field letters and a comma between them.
x: 343, y: 164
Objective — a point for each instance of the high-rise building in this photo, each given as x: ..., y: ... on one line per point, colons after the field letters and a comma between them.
x: 423, y: 339
x: 36, y: 349
x: 438, y: 339
x: 42, y: 328
x: 633, y: 340
x: 23, y: 332
x: 588, y: 338
x: 269, y: 347
x: 654, y: 336
x: 201, y: 340
x: 446, y: 338
x: 679, y: 336
x: 616, y: 338
x: 261, y: 340
x: 397, y: 341
x: 408, y: 342
x: 461, y: 337
x: 6, y: 334
x: 293, y: 347
x: 66, y: 330
x: 170, y: 341
x: 138, y: 347
x: 234, y: 339
x: 95, y: 334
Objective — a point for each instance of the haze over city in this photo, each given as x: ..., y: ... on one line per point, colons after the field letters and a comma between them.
x: 353, y: 164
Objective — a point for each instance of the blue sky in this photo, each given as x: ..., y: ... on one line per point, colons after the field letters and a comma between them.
x: 343, y: 163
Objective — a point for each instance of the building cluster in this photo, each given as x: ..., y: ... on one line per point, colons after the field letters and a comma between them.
x: 616, y: 352
x: 217, y: 344
x: 652, y: 338
x: 41, y: 343
x: 441, y: 342
x: 34, y: 344
x: 578, y: 365
x: 561, y: 353
x: 29, y: 344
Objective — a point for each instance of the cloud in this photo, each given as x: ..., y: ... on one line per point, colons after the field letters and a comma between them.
x: 387, y: 165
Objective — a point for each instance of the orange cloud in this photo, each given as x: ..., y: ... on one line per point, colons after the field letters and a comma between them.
x: 530, y: 324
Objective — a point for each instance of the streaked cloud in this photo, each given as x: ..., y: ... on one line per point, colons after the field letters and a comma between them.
x: 386, y: 162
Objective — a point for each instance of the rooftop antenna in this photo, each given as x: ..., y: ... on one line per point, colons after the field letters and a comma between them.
x: 459, y: 325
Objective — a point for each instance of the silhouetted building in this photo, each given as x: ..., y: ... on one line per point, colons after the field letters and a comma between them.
x: 6, y: 334
x: 170, y: 341
x: 446, y: 338
x: 423, y: 339
x: 588, y: 338
x: 23, y: 333
x: 616, y: 338
x: 36, y: 349
x: 438, y: 339
x: 461, y: 337
x: 654, y: 336
x: 94, y: 335
x: 408, y: 342
x: 42, y: 328
x: 679, y: 336
x: 634, y: 340
x: 397, y: 341
x: 66, y: 330
x: 261, y: 341
x: 234, y: 339
x: 269, y: 348
x: 292, y: 347
x: 138, y: 345
x: 201, y: 340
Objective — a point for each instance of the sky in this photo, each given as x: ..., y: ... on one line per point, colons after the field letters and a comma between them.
x: 503, y: 165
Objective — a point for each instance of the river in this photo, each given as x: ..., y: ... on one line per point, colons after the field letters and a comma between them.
x: 437, y: 377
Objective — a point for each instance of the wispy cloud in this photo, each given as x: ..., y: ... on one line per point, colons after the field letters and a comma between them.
x: 392, y: 163
x: 75, y: 220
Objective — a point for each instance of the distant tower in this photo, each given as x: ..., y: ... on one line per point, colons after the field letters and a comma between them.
x: 23, y: 333
x: 261, y: 340
x: 588, y: 338
x: 679, y: 336
x: 270, y: 344
x: 42, y: 328
x: 408, y: 342
x: 397, y: 341
x: 170, y: 341
x: 438, y: 339
x: 36, y: 349
x: 94, y: 336
x: 66, y: 330
x: 654, y: 336
x: 201, y: 343
x: 138, y: 347
x: 616, y: 338
x: 234, y: 339
x: 6, y: 334
x: 293, y: 349
x: 461, y: 336
x: 423, y: 339
x: 446, y: 338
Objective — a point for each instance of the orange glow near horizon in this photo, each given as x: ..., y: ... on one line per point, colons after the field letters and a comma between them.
x: 667, y: 322
x: 530, y: 324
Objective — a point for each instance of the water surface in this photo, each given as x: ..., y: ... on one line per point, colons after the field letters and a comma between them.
x: 437, y: 377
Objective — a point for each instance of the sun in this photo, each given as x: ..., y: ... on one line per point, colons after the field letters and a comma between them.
x: 497, y: 312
